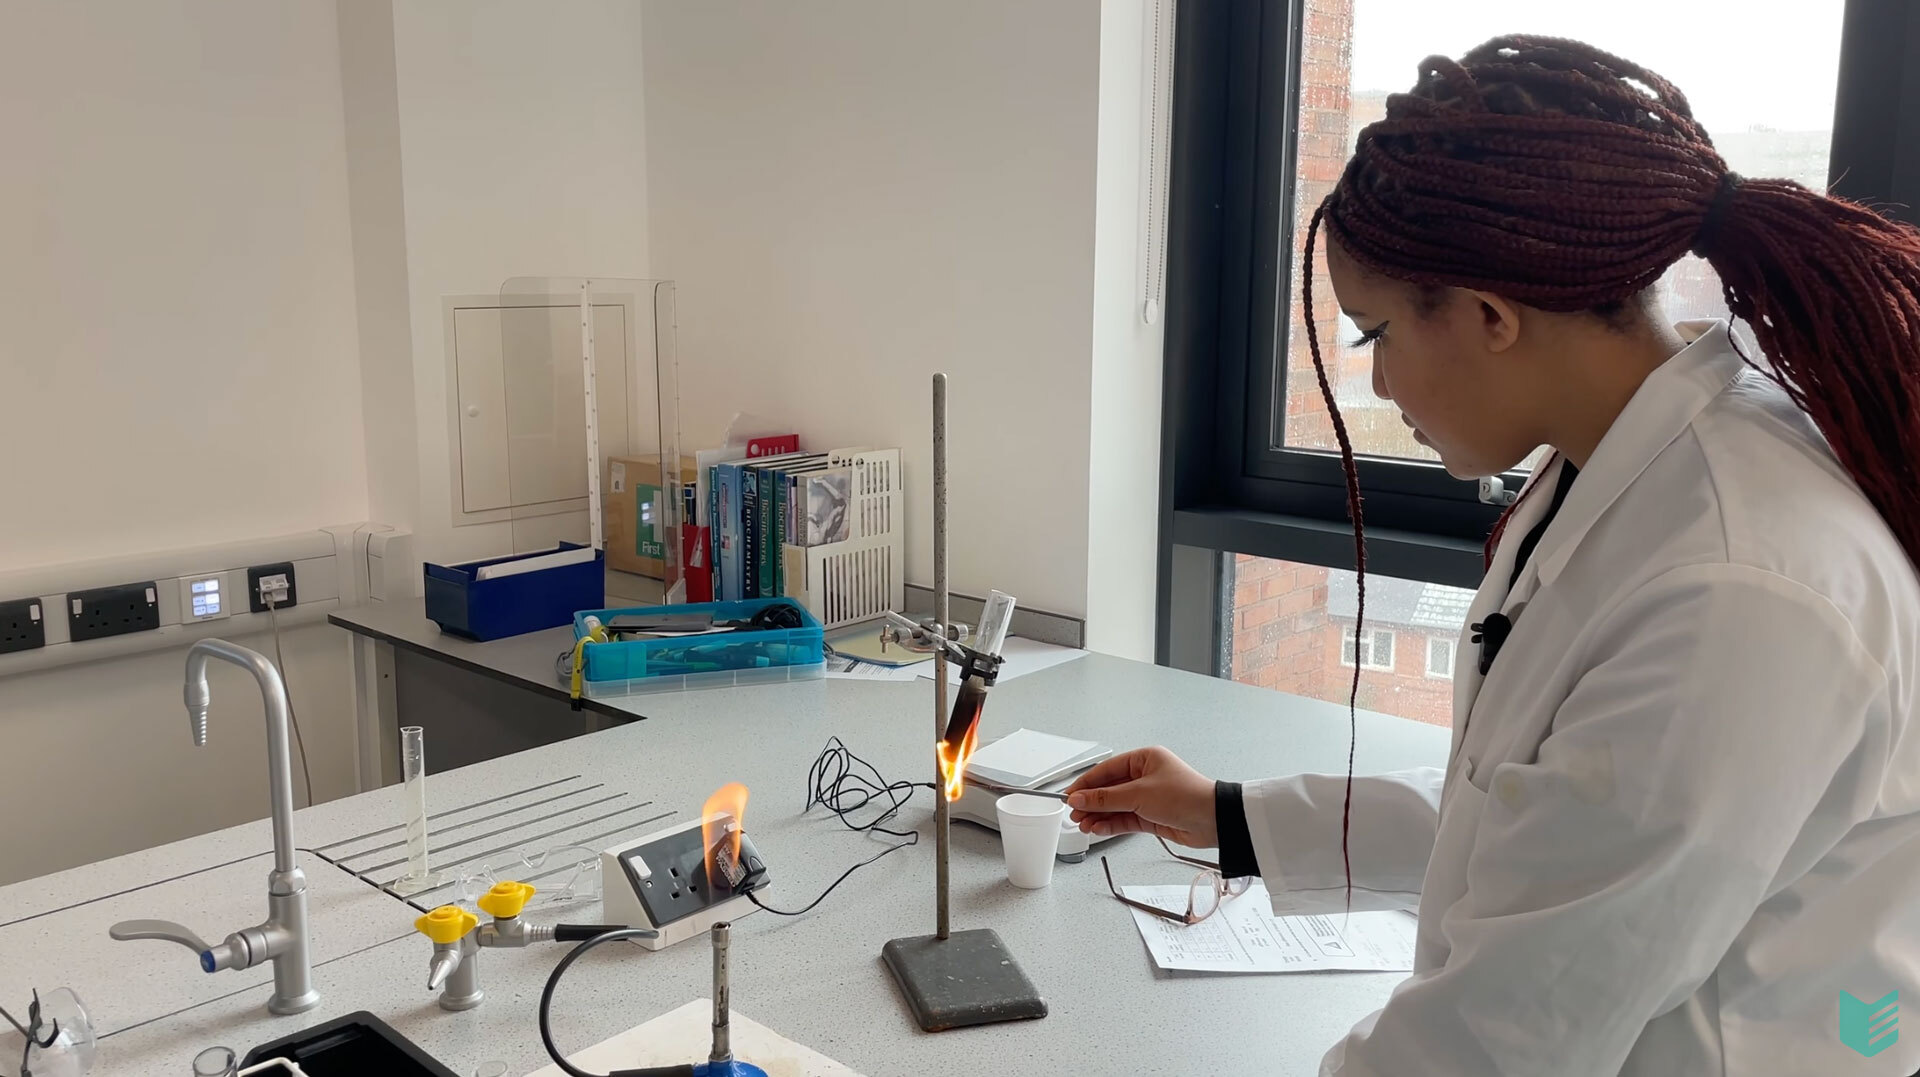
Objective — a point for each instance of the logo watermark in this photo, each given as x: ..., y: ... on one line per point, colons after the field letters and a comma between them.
x: 1868, y: 1027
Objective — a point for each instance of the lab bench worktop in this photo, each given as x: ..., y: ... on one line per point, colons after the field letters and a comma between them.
x: 817, y: 978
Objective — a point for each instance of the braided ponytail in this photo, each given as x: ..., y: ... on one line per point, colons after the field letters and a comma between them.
x: 1568, y: 179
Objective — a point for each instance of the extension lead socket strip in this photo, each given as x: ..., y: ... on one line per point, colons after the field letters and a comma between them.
x: 62, y: 615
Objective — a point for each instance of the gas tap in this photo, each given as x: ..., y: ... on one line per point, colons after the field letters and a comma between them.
x: 458, y: 936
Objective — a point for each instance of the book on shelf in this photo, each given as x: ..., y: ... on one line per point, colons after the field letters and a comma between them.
x: 827, y: 500
x: 759, y: 511
x: 726, y: 528
x: 767, y: 561
x: 706, y: 504
x: 793, y: 526
x: 738, y: 536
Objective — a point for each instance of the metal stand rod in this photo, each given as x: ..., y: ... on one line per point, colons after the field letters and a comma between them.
x: 951, y: 979
x: 942, y: 611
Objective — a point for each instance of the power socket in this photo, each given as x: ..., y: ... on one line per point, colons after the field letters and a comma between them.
x: 274, y: 580
x: 113, y: 611
x: 661, y: 881
x: 22, y: 626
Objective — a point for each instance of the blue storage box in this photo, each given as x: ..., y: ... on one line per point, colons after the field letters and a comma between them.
x: 621, y: 667
x: 461, y: 603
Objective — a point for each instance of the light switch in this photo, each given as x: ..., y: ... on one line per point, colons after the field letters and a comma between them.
x: 203, y: 598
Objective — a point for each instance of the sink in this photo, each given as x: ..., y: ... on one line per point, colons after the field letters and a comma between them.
x: 130, y: 983
x: 352, y: 1046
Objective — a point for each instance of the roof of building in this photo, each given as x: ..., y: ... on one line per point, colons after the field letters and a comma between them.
x: 1394, y: 601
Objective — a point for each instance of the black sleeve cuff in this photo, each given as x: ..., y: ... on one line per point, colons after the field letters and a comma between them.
x: 1236, y: 843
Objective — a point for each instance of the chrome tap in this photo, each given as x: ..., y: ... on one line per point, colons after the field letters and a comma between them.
x: 283, y: 938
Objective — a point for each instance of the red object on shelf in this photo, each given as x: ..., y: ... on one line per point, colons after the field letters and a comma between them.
x: 773, y: 446
x: 693, y: 559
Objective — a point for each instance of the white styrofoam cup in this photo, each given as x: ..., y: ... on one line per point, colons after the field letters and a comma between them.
x: 1029, y: 836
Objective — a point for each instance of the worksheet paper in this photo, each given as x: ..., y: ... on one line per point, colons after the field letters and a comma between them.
x: 853, y: 669
x: 1245, y: 936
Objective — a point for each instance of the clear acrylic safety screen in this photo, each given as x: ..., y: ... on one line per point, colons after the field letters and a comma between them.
x: 562, y: 342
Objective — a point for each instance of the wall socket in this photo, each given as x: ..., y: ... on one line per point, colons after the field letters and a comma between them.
x: 277, y: 573
x: 23, y: 625
x: 113, y: 611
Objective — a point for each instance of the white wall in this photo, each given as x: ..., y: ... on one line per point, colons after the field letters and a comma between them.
x: 230, y: 226
x: 1123, y: 479
x: 522, y: 152
x: 179, y: 366
x: 180, y: 362
x: 382, y: 298
x: 851, y: 195
x: 99, y: 761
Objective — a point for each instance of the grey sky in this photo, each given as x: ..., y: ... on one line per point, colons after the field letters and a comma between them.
x: 1741, y: 64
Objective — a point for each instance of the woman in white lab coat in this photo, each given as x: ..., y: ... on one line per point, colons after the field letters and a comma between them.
x: 1681, y: 814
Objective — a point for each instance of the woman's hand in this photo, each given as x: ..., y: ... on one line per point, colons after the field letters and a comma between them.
x: 1147, y: 790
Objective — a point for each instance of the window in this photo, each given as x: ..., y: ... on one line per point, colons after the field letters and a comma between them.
x: 1354, y: 53
x: 1292, y: 631
x: 1380, y: 655
x: 1268, y: 96
x: 1374, y: 649
x: 1440, y: 657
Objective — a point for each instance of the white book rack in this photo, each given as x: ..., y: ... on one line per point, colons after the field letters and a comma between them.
x: 842, y: 583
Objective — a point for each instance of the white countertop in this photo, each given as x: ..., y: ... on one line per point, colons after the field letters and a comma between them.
x: 817, y: 979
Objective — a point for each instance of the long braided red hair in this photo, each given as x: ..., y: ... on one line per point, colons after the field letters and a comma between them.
x: 1568, y: 179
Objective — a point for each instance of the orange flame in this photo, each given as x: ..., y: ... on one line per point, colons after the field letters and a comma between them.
x: 953, y: 765
x: 723, y: 818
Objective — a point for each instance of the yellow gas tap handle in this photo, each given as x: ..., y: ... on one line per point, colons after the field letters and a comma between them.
x: 505, y: 900
x: 448, y: 923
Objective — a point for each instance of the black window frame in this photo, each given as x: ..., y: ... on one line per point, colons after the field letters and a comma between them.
x: 1224, y: 489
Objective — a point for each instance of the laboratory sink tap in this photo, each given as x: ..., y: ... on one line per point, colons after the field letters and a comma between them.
x: 283, y: 938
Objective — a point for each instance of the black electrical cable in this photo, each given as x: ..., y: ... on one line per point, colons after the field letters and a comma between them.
x: 546, y: 1006
x: 755, y: 898
x: 843, y: 783
x: 281, y: 661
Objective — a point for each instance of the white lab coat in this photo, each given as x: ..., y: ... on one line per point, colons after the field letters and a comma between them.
x: 1679, y: 816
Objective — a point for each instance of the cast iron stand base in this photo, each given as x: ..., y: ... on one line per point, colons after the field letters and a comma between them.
x: 968, y: 978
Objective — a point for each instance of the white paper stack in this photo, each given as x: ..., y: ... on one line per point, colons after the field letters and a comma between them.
x: 1029, y: 759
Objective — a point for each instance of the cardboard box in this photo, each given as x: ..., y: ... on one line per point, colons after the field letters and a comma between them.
x: 630, y: 498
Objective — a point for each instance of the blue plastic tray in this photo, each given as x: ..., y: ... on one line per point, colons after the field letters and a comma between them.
x: 510, y: 605
x: 747, y: 657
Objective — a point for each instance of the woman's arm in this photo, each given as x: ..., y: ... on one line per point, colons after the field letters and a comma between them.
x: 1287, y: 830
